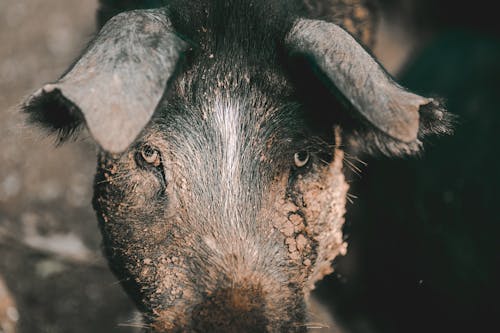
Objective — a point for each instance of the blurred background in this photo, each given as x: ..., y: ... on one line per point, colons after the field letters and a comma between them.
x: 50, y: 258
x: 423, y: 250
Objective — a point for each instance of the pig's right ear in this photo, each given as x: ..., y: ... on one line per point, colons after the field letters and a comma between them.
x: 116, y: 85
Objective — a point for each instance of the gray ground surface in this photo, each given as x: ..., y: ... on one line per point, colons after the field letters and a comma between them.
x: 49, y: 242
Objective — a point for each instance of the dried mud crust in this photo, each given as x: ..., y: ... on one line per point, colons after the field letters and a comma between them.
x: 314, y: 211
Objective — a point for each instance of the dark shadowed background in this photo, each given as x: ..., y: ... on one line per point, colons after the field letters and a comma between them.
x: 423, y: 251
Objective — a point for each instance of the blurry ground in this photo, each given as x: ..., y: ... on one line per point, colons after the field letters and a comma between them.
x: 49, y: 242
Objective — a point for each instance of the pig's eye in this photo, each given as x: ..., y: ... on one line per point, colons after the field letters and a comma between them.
x: 301, y: 158
x: 148, y: 156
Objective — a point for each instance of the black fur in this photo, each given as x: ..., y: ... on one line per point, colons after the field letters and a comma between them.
x: 56, y: 114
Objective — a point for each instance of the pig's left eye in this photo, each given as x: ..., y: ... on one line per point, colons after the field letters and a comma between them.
x: 301, y: 158
x: 148, y: 156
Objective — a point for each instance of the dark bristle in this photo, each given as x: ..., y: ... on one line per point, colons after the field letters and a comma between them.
x: 56, y: 114
x: 435, y: 120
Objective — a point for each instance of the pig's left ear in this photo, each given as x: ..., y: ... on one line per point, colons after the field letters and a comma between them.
x: 391, y: 119
x: 116, y: 85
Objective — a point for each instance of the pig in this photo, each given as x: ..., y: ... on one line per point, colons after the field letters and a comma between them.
x: 223, y: 129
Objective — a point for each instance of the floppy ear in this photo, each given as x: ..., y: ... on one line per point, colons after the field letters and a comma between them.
x: 394, y: 118
x: 115, y: 86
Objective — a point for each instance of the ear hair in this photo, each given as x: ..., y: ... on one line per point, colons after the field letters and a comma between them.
x: 62, y: 117
x: 362, y: 138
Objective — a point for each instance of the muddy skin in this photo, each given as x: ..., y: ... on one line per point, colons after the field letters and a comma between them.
x: 190, y: 271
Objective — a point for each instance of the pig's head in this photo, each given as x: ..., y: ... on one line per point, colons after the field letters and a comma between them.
x: 221, y: 129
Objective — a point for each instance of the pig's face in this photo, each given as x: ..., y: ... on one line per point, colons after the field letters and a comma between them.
x: 224, y: 213
x: 221, y: 129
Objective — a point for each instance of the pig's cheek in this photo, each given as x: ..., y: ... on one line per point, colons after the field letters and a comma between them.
x: 324, y: 196
x: 143, y: 191
x: 311, y: 220
x: 149, y: 257
x: 163, y: 278
x: 296, y: 235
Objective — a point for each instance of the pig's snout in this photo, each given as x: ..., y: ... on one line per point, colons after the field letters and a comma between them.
x: 238, y: 309
x: 235, y: 309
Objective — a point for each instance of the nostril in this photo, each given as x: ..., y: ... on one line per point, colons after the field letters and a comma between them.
x: 231, y: 310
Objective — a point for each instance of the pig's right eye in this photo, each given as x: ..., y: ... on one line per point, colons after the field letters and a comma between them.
x: 148, y: 157
x: 301, y: 158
